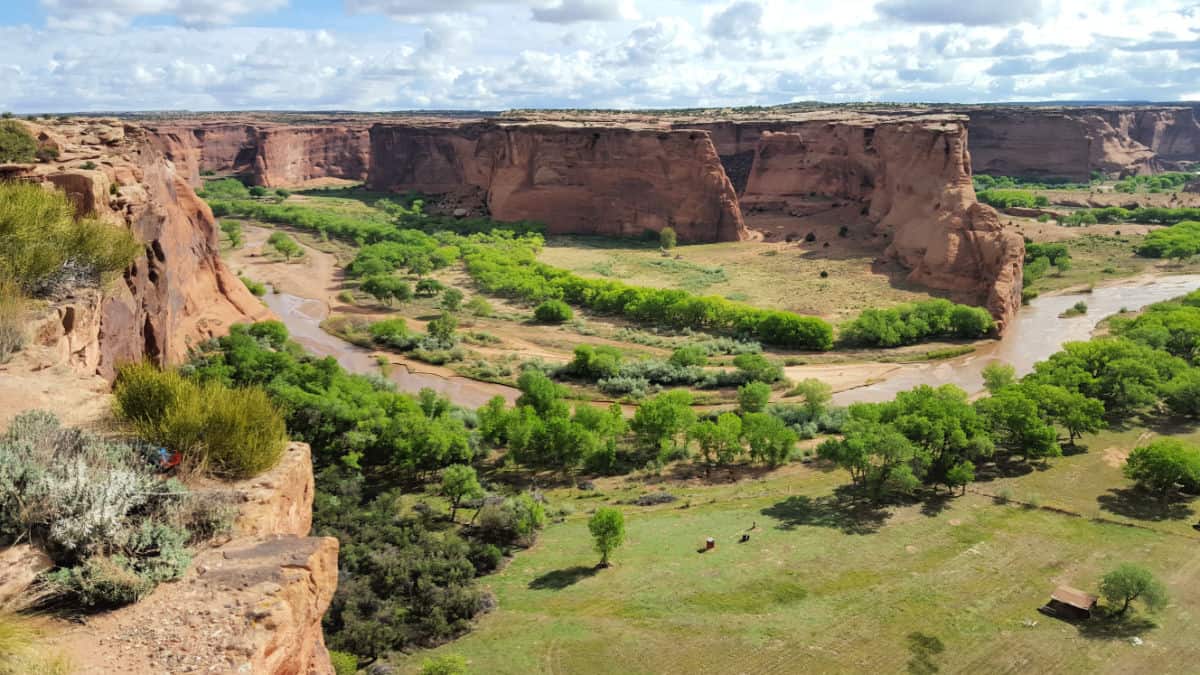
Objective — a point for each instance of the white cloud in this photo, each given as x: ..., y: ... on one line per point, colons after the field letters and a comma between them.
x: 493, y: 54
x: 110, y: 15
x: 967, y: 12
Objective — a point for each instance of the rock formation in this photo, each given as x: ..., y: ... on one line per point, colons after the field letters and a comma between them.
x: 178, y: 294
x: 580, y: 180
x: 272, y: 155
x: 913, y: 177
x: 1071, y: 143
x: 250, y: 605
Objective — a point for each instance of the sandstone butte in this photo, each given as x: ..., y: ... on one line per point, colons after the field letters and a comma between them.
x: 1071, y: 143
x: 255, y: 602
x: 625, y: 174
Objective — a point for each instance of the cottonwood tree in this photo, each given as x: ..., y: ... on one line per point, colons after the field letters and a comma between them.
x: 753, y: 397
x: 459, y: 482
x: 769, y: 438
x: 1163, y: 465
x: 1129, y: 582
x: 719, y: 441
x: 816, y: 394
x: 607, y: 526
x: 659, y: 422
x: 285, y: 245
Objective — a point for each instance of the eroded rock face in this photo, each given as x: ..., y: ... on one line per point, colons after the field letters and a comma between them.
x: 251, y: 605
x: 580, y: 180
x: 913, y: 178
x: 176, y: 295
x: 273, y: 155
x: 1073, y: 142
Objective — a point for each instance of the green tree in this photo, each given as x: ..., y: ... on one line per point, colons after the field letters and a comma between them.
x: 232, y: 229
x: 667, y: 238
x: 660, y: 421
x: 459, y: 482
x: 541, y: 393
x: 997, y: 375
x: 607, y: 526
x: 878, y: 456
x: 770, y: 440
x: 816, y: 394
x: 429, y: 287
x: 1017, y: 424
x: 451, y: 300
x: 420, y: 266
x: 719, y: 442
x: 1077, y: 413
x: 961, y: 475
x: 753, y: 397
x: 386, y: 288
x: 1163, y: 465
x: 285, y: 245
x: 1129, y: 582
x: 442, y: 328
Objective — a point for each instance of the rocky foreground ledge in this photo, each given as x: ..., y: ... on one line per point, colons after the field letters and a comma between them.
x: 251, y: 605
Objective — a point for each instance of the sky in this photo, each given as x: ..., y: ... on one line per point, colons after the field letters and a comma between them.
x: 379, y: 55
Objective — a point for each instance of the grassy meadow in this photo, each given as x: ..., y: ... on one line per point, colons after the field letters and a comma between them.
x: 826, y: 584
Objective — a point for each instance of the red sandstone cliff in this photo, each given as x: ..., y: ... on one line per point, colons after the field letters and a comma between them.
x: 913, y: 176
x: 179, y: 293
x: 580, y: 180
x: 273, y: 155
x: 1073, y: 142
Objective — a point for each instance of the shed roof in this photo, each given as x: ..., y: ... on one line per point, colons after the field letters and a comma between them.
x: 1074, y: 597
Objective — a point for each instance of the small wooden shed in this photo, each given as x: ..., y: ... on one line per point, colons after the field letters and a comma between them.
x: 1070, y: 603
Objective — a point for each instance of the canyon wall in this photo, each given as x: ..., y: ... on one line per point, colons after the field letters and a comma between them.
x: 580, y: 180
x: 179, y: 293
x: 913, y: 178
x: 272, y: 155
x: 1071, y: 143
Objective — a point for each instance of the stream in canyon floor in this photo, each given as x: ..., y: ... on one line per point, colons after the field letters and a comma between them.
x: 1037, y: 332
x: 303, y: 317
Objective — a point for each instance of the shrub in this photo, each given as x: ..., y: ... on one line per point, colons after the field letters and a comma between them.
x: 234, y: 433
x: 479, y: 306
x: 512, y: 522
x: 285, y: 245
x: 912, y: 323
x: 1163, y: 465
x: 233, y: 230
x: 689, y: 355
x: 12, y: 319
x: 255, y: 287
x: 1007, y: 199
x: 667, y: 238
x: 41, y: 242
x: 553, y: 311
x: 258, y: 191
x: 99, y: 510
x: 243, y: 434
x: 16, y: 143
x: 283, y: 193
x: 446, y: 664
x: 753, y: 397
x: 343, y: 663
x: 225, y: 188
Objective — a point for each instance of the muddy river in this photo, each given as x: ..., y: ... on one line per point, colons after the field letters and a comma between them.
x: 1037, y: 333
x: 303, y: 318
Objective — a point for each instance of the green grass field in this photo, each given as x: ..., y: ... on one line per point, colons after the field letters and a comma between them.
x: 828, y: 585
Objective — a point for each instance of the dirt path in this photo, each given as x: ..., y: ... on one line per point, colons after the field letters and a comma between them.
x: 315, y: 276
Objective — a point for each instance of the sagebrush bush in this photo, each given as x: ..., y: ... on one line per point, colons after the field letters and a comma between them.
x: 100, y: 510
x: 16, y: 143
x: 231, y: 432
x: 41, y: 241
